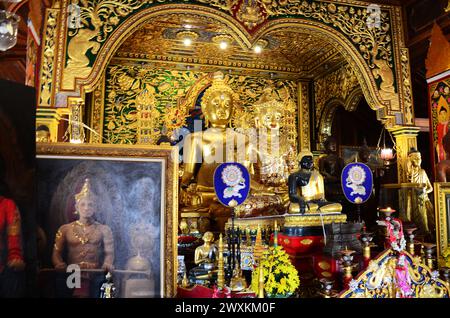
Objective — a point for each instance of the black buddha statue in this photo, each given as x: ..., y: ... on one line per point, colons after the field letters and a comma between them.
x: 331, y: 166
x: 306, y: 190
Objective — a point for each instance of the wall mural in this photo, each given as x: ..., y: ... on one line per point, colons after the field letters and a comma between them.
x: 440, y: 115
x: 135, y: 95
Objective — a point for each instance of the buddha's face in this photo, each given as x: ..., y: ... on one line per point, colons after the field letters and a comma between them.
x: 416, y: 159
x: 269, y: 119
x: 332, y: 146
x: 42, y: 136
x: 208, y: 237
x: 86, y: 207
x: 219, y: 108
x: 307, y: 162
x: 443, y: 116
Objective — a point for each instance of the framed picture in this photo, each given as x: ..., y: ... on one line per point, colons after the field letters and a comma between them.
x: 350, y: 153
x: 442, y: 202
x: 107, y: 208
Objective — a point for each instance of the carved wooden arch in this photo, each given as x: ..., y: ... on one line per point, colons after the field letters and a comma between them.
x: 136, y: 20
x: 326, y: 120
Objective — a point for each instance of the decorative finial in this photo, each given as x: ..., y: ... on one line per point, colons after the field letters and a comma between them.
x: 85, y: 190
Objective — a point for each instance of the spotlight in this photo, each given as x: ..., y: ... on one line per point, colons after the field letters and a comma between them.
x: 187, y: 41
x: 257, y: 49
x: 223, y: 45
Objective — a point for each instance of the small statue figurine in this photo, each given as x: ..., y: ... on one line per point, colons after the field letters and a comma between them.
x: 238, y: 282
x: 331, y: 167
x: 205, y: 259
x: 42, y: 134
x: 306, y: 190
x: 425, y: 219
x: 108, y: 290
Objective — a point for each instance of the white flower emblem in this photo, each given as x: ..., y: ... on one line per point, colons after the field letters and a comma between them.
x: 232, y: 177
x: 357, y: 175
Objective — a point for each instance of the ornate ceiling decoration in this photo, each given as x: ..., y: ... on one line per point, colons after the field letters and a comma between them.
x: 287, y: 53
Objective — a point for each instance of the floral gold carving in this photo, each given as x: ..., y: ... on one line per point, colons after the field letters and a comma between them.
x: 48, y: 57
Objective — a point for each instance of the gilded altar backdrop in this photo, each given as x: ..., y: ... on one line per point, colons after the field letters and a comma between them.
x: 163, y: 92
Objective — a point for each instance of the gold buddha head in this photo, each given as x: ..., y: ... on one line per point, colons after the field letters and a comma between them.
x: 268, y: 111
x: 85, y: 201
x: 42, y: 134
x: 414, y: 158
x: 208, y: 237
x: 217, y: 102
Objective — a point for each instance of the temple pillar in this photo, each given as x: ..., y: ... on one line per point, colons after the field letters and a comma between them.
x: 76, y: 129
x: 303, y: 117
x: 405, y: 139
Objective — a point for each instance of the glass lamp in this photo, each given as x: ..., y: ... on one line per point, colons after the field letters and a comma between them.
x: 9, y: 23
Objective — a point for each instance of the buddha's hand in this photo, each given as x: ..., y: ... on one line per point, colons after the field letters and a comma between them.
x: 16, y: 264
x: 61, y: 266
x: 108, y: 267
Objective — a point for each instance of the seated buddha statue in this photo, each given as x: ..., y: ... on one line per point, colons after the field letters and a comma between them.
x: 306, y: 190
x: 205, y: 150
x: 275, y: 158
x: 205, y: 258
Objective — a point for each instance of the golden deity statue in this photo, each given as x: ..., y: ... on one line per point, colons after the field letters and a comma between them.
x: 87, y: 242
x: 275, y: 160
x: 423, y: 215
x: 205, y: 258
x: 306, y: 190
x: 205, y: 150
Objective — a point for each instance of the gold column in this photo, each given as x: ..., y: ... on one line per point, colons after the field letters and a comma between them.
x: 405, y: 139
x: 76, y: 129
x: 303, y: 117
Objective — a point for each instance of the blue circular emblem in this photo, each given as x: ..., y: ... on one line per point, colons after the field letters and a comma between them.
x: 231, y: 183
x: 357, y: 182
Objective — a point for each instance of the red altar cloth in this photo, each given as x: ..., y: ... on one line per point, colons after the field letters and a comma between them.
x: 199, y: 291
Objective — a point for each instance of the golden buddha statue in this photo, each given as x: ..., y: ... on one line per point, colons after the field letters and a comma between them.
x: 204, y: 151
x: 424, y: 218
x: 306, y: 190
x: 275, y: 158
x: 205, y: 258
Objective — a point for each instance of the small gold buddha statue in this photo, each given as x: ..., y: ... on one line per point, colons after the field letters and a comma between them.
x: 424, y: 219
x: 275, y: 160
x: 205, y: 258
x: 42, y: 134
x: 238, y: 282
x: 306, y: 190
x: 204, y: 151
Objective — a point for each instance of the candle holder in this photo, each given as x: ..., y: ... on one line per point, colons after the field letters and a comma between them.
x: 366, y: 239
x: 410, y: 232
x: 326, y: 287
x: 387, y: 212
x: 347, y: 264
x: 429, y: 249
x: 445, y: 276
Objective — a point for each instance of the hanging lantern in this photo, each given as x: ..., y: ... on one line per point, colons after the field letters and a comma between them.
x: 387, y: 154
x: 9, y: 23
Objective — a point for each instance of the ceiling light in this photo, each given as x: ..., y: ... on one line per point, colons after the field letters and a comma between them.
x: 187, y: 41
x: 223, y: 45
x: 257, y: 49
x: 187, y: 26
x: 8, y: 29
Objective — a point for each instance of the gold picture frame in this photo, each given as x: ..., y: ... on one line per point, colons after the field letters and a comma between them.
x: 442, y: 217
x: 134, y: 159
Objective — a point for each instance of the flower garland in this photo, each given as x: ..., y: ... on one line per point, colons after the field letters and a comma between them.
x: 280, y: 276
